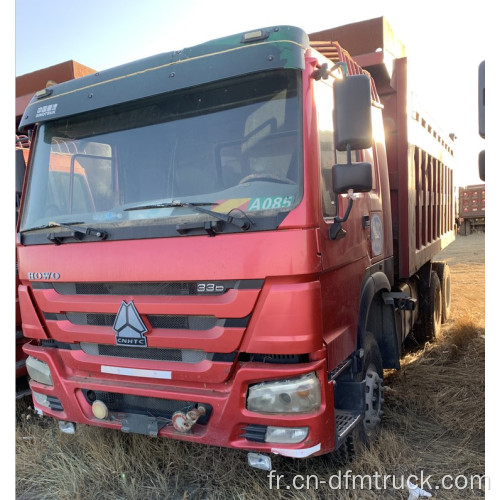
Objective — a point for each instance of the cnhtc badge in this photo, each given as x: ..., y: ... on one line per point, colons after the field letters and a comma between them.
x: 129, y: 327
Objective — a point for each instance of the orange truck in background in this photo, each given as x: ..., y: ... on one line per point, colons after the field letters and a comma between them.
x: 26, y: 86
x: 21, y: 159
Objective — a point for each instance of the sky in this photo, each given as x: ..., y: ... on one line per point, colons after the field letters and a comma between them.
x: 445, y: 43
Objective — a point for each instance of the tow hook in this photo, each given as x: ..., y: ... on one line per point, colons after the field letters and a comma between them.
x: 183, y: 422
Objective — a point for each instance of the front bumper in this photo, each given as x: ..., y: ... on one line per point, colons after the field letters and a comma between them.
x: 228, y: 423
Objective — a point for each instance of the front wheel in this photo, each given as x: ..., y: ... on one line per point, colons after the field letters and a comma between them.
x: 372, y: 373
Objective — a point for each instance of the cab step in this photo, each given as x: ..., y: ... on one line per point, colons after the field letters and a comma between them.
x: 345, y: 422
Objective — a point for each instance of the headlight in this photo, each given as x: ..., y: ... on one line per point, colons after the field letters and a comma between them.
x: 299, y: 395
x: 38, y: 371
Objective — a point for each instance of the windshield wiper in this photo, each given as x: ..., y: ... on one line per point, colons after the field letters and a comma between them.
x: 243, y: 223
x: 46, y: 226
x: 75, y: 232
x: 168, y: 204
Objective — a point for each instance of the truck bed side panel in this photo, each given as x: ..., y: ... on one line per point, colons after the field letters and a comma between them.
x: 421, y: 179
x: 419, y: 156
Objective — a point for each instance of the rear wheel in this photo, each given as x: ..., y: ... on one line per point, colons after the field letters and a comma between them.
x: 429, y: 324
x: 443, y: 271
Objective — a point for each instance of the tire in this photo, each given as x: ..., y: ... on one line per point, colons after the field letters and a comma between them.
x: 443, y: 271
x: 428, y: 326
x: 368, y: 430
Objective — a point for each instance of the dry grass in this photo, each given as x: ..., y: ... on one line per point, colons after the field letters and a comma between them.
x: 434, y: 423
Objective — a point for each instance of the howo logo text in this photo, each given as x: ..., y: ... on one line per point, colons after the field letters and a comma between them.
x: 44, y: 276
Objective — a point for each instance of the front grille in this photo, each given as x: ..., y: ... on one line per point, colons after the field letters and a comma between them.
x: 184, y: 322
x: 149, y: 353
x: 173, y: 321
x: 90, y: 319
x: 174, y: 288
x: 142, y: 405
x: 168, y: 288
x: 275, y: 358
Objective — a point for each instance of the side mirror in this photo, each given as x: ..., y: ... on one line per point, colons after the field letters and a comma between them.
x: 481, y: 104
x: 481, y: 87
x: 352, y: 113
x: 482, y: 167
x: 352, y: 121
x: 356, y: 177
x: 350, y: 178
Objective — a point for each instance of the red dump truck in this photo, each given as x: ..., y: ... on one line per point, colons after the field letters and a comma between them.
x: 472, y: 209
x: 222, y: 245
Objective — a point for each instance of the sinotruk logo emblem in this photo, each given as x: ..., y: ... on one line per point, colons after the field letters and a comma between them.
x: 129, y: 327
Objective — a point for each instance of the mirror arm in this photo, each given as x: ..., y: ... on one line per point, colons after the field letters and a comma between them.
x: 324, y: 73
x: 348, y: 209
x: 336, y: 229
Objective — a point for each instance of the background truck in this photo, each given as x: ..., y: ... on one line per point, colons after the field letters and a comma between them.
x: 21, y: 158
x: 472, y: 209
x: 26, y: 86
x: 222, y: 245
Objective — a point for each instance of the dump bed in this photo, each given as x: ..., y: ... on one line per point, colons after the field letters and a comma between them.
x: 419, y: 155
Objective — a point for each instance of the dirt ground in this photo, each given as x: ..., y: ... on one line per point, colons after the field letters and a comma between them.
x: 433, y: 429
x: 466, y: 256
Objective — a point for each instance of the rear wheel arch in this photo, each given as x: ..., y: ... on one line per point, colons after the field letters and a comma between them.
x: 377, y: 317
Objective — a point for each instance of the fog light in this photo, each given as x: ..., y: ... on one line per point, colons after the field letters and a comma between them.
x: 39, y: 371
x: 41, y: 399
x: 259, y: 461
x: 283, y: 435
x: 99, y: 409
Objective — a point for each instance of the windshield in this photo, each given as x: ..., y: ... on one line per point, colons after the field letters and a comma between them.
x: 232, y: 147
